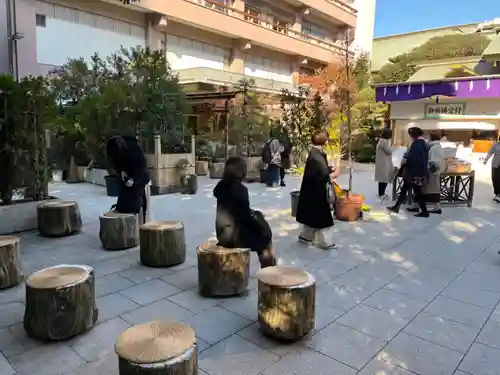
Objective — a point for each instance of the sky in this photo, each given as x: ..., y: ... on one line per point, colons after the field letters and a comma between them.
x: 403, y: 16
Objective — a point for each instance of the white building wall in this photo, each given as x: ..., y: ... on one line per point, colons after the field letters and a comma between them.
x: 184, y: 53
x: 365, y: 28
x: 262, y: 67
x: 64, y: 33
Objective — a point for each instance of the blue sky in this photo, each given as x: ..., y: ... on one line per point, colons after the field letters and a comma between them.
x: 402, y: 16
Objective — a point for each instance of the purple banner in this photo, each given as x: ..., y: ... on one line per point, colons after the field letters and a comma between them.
x: 462, y: 89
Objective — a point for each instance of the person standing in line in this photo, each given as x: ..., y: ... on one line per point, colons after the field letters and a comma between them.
x: 286, y: 162
x: 432, y: 190
x: 494, y: 152
x: 272, y: 157
x: 384, y: 167
x: 415, y: 171
x: 316, y: 192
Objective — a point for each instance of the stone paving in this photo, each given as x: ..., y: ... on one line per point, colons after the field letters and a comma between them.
x: 400, y: 295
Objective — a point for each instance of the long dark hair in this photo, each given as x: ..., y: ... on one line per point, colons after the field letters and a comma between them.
x: 235, y: 168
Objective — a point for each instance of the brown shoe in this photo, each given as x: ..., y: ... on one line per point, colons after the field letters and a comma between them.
x: 267, y: 259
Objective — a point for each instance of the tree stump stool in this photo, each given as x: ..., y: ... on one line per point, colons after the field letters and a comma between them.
x: 157, y: 348
x: 222, y: 271
x: 216, y: 170
x: 162, y: 244
x: 287, y: 302
x: 119, y: 231
x: 59, y: 218
x: 60, y: 302
x: 11, y: 272
x: 201, y: 167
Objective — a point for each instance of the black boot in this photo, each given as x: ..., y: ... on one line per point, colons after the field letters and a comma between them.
x: 394, y: 209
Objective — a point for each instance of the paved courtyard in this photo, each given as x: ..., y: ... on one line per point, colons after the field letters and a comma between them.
x: 400, y: 295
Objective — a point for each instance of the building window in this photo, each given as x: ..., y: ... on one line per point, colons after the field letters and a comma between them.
x: 280, y: 26
x: 41, y: 20
x: 316, y: 31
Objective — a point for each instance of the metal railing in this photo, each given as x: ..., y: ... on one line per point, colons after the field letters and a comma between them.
x: 274, y: 26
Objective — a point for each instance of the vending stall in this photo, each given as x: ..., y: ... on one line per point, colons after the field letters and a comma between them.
x: 465, y: 112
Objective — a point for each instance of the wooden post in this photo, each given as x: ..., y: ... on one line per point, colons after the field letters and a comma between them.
x: 157, y: 157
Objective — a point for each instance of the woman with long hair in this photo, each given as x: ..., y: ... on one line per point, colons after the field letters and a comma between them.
x: 236, y: 224
x: 127, y: 159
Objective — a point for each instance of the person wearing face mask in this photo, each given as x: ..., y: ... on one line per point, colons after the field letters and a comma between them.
x: 316, y: 194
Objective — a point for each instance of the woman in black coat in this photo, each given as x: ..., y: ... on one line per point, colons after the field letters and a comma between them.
x: 127, y: 159
x: 316, y: 192
x: 236, y: 224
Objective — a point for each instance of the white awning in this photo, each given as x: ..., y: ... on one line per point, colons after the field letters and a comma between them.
x: 449, y: 125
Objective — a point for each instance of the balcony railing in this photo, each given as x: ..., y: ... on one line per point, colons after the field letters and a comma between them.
x: 266, y: 23
x: 344, y: 5
x: 225, y: 78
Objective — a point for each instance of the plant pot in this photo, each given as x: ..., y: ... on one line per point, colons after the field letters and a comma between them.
x: 348, y: 207
x: 189, y: 184
x: 294, y: 198
x: 113, y: 185
x: 201, y: 167
x: 263, y: 175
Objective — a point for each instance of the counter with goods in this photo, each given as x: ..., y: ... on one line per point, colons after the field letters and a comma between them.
x: 457, y: 183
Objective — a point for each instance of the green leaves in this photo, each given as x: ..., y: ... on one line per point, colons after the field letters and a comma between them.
x: 402, y: 67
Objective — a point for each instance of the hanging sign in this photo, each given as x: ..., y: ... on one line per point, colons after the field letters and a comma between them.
x: 444, y: 110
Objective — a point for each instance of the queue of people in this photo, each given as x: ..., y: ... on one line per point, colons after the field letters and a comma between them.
x: 420, y: 170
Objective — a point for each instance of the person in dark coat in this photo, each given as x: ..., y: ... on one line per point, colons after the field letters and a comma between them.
x: 127, y: 159
x: 316, y: 191
x: 415, y: 172
x: 286, y: 162
x: 236, y: 224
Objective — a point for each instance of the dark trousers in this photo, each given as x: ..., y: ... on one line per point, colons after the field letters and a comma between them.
x: 495, y: 178
x: 382, y: 186
x: 272, y: 174
x: 418, y: 193
x: 282, y: 175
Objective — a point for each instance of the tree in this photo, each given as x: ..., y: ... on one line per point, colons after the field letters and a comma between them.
x: 249, y: 118
x: 402, y: 67
x: 399, y: 69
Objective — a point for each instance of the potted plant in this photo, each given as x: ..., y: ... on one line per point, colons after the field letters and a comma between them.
x: 27, y: 109
x: 188, y: 181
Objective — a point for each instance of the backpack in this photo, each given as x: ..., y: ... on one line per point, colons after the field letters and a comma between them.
x: 266, y: 152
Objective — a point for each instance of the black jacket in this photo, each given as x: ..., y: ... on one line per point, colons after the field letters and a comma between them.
x: 313, y: 207
x: 236, y: 224
x: 125, y: 155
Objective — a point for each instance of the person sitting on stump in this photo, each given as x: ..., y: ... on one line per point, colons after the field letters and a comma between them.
x: 127, y: 159
x: 236, y: 224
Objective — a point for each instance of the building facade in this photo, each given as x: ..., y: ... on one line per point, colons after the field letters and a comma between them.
x: 215, y: 42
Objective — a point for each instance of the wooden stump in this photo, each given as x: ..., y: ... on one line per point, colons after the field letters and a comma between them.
x: 287, y: 302
x: 157, y: 348
x: 162, y: 244
x: 119, y: 231
x: 60, y: 302
x: 222, y: 271
x: 59, y: 218
x: 201, y: 167
x: 11, y: 272
x: 216, y: 170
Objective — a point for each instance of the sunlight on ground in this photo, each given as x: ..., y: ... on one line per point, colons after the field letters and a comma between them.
x: 452, y: 229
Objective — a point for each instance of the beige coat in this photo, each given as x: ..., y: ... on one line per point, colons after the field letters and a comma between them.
x: 436, y: 157
x: 384, y: 168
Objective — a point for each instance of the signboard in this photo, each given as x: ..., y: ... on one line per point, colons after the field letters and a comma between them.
x: 444, y: 110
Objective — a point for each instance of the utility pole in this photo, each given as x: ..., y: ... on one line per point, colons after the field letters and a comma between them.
x: 348, y: 113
